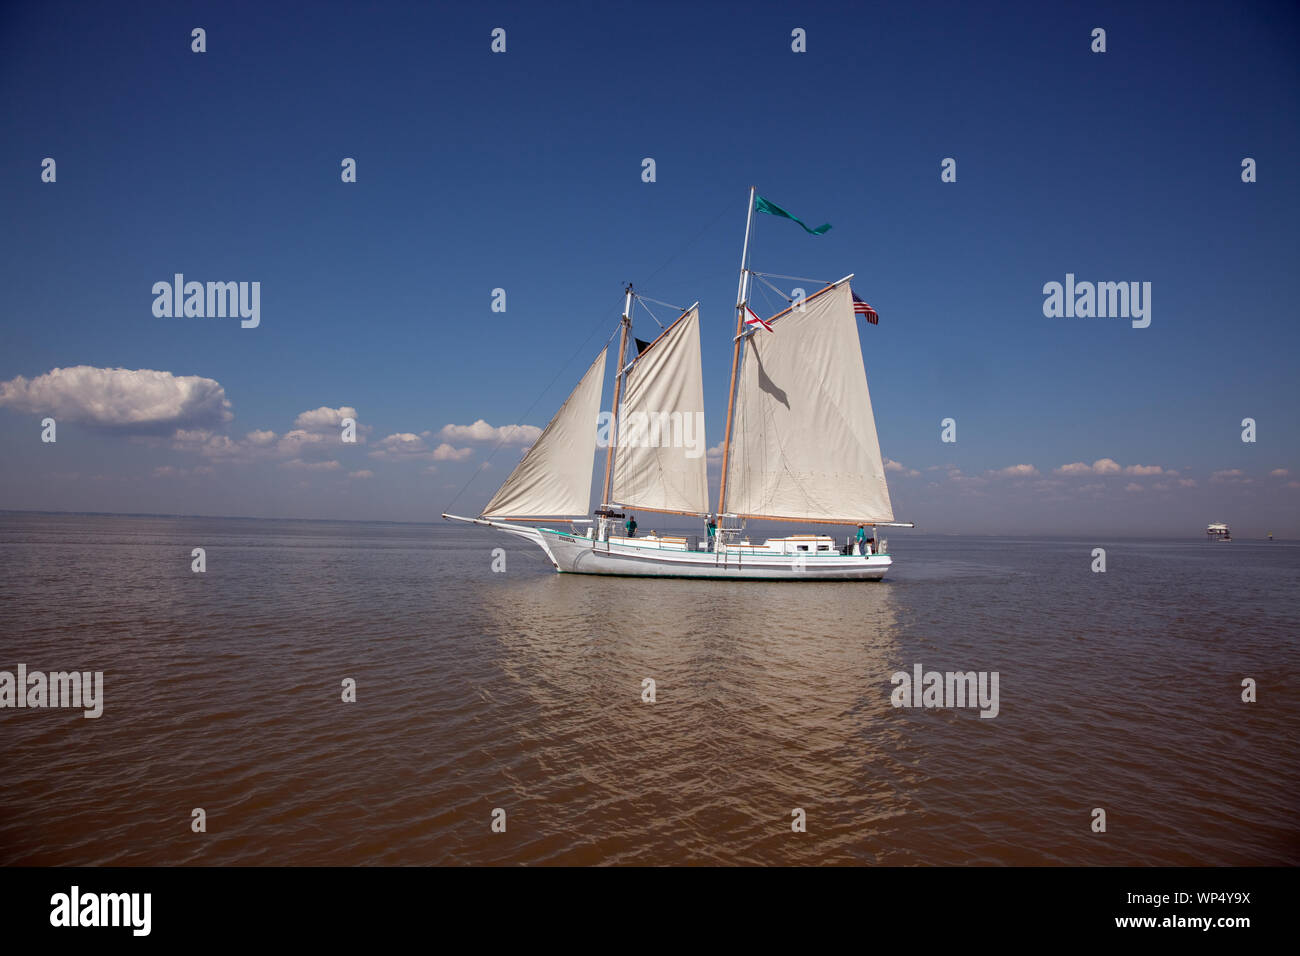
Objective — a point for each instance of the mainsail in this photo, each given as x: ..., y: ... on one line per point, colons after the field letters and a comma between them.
x: 554, y: 477
x: 659, y: 461
x: 803, y: 444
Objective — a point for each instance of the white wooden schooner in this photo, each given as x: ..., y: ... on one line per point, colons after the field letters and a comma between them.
x: 800, y: 446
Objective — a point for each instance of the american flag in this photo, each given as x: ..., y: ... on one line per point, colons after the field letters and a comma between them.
x: 755, y: 321
x: 864, y: 310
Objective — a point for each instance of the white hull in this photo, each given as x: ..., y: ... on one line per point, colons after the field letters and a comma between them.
x: 572, y: 554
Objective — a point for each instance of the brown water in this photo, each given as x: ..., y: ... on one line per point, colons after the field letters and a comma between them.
x: 522, y: 690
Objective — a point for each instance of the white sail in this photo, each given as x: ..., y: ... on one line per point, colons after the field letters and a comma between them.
x: 659, y: 461
x: 804, y: 443
x: 554, y: 477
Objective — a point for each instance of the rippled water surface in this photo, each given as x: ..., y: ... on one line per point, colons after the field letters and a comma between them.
x: 522, y: 691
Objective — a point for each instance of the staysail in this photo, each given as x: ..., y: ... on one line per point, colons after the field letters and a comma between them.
x: 803, y: 444
x: 659, y: 461
x: 554, y: 477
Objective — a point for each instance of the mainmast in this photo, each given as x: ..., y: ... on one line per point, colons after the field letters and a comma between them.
x: 742, y: 300
x: 618, y: 390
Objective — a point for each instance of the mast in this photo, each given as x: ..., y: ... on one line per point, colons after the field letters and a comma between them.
x: 618, y: 389
x: 742, y: 295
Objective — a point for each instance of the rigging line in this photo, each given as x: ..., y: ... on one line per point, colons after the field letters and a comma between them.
x: 773, y: 275
x: 666, y: 305
x: 725, y: 209
x: 763, y: 279
x: 501, y: 442
x: 637, y: 298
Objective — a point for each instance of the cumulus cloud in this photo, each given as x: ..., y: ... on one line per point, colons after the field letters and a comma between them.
x: 325, y: 418
x: 146, y: 401
x: 891, y: 465
x: 1279, y: 473
x: 402, y: 446
x: 1017, y: 471
x: 1105, y: 466
x: 481, y: 431
x: 1133, y: 486
x: 363, y: 473
x: 317, y: 442
x: 209, y: 444
x: 445, y: 452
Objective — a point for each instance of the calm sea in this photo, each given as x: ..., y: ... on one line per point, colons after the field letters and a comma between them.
x: 522, y: 691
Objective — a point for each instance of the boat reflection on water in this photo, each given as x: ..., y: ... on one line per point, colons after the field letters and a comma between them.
x: 777, y: 684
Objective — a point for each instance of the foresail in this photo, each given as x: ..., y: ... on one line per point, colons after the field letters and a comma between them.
x: 803, y: 442
x: 554, y: 477
x: 659, y: 461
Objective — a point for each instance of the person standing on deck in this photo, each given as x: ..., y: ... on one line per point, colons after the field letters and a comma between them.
x: 713, y: 531
x: 862, y: 540
x: 630, y: 525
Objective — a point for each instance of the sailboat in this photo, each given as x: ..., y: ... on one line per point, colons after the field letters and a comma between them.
x: 800, y: 446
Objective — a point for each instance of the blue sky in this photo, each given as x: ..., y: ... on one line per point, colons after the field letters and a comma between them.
x: 522, y: 171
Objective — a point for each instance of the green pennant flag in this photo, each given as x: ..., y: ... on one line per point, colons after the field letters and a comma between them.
x: 772, y: 209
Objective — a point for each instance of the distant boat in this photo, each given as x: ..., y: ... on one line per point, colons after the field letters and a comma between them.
x: 800, y: 446
x: 1219, y: 531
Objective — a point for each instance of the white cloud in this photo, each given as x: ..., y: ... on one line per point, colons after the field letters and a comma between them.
x: 1133, y: 486
x: 1106, y: 466
x: 402, y: 446
x: 445, y: 452
x: 141, y: 400
x: 891, y: 465
x: 1017, y: 471
x: 209, y: 444
x: 300, y: 441
x: 481, y: 431
x: 1279, y: 473
x: 363, y: 473
x: 325, y: 418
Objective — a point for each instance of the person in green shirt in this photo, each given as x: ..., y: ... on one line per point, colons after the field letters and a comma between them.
x: 862, y: 540
x: 630, y: 525
x: 713, y: 530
